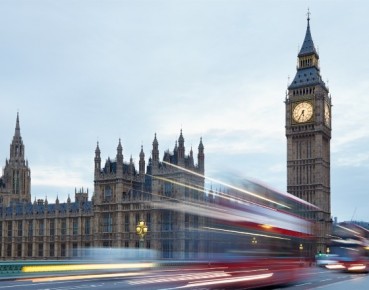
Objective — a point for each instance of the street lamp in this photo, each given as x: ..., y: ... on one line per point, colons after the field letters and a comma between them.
x: 141, y: 230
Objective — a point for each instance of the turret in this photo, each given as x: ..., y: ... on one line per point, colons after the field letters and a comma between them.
x: 181, y: 150
x: 155, y: 152
x: 131, y: 167
x: 142, y: 162
x: 201, y: 158
x: 17, y: 175
x: 81, y: 195
x: 17, y: 147
x: 191, y: 162
x: 97, y: 160
x: 119, y: 160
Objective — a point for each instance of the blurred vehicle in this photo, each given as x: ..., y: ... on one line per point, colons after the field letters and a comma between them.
x: 322, y: 260
x: 351, y: 255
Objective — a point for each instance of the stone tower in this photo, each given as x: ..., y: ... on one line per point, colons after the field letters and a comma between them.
x: 15, y: 184
x: 308, y: 132
x: 124, y: 196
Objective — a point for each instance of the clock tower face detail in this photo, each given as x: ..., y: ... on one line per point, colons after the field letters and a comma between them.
x: 308, y: 132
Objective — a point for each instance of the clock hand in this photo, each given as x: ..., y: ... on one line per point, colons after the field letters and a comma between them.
x: 302, y: 114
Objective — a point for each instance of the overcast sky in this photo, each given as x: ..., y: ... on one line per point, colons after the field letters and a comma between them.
x: 80, y: 72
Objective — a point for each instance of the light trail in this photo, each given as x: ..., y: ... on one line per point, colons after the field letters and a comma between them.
x: 229, y: 185
x: 180, y: 277
x: 246, y: 233
x: 82, y: 277
x: 84, y: 267
x: 227, y: 280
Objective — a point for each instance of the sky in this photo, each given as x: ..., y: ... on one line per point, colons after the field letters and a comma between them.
x: 84, y: 71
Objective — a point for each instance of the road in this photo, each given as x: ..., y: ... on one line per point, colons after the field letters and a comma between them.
x: 320, y: 278
x: 316, y: 278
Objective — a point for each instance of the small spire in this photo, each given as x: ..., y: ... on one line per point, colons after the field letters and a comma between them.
x: 155, y: 140
x: 97, y: 148
x: 17, y: 127
x: 142, y: 154
x: 201, y: 146
x: 181, y: 139
x: 120, y: 152
x: 308, y: 44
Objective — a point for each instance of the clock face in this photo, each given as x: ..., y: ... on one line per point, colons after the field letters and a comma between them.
x: 302, y: 112
x: 327, y: 114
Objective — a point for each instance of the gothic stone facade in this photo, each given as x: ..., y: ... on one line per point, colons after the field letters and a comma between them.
x: 122, y: 197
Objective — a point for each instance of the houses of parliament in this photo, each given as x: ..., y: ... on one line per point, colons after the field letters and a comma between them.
x: 123, y: 195
x: 121, y: 199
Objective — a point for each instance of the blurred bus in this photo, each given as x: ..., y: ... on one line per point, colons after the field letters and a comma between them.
x: 256, y: 235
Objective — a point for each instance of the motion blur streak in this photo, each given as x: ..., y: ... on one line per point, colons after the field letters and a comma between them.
x: 181, y: 277
x: 356, y: 267
x: 198, y: 188
x: 216, y: 193
x: 84, y: 267
x: 228, y: 280
x: 228, y: 185
x: 349, y: 230
x: 82, y: 277
x: 335, y: 267
x: 246, y: 233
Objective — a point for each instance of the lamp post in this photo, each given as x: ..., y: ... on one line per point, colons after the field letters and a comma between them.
x: 301, y: 248
x: 141, y: 230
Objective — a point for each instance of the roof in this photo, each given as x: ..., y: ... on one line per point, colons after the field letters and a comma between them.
x: 307, y: 77
x: 308, y: 44
x: 39, y: 209
x: 111, y: 167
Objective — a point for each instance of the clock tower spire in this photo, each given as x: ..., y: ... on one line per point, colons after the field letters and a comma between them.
x: 308, y: 132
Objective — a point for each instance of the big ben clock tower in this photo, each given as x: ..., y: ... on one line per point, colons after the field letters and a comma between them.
x: 308, y: 132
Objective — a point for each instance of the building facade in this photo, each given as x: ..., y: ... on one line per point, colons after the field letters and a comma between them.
x: 308, y: 131
x: 123, y: 196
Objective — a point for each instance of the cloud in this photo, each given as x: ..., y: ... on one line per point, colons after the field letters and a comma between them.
x: 354, y: 160
x: 57, y: 176
x: 84, y: 71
